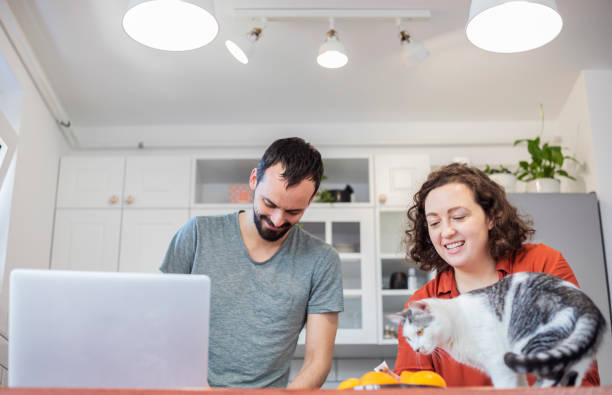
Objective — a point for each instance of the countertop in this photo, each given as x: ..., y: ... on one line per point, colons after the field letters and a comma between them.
x: 460, y: 391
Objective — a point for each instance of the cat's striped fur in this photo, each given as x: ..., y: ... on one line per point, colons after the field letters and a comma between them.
x: 525, y: 323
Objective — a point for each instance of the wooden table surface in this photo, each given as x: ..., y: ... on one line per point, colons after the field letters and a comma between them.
x: 405, y: 391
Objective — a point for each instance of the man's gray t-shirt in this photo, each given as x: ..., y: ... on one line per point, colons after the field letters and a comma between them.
x: 257, y: 308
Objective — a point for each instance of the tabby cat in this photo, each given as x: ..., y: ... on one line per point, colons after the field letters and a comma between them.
x: 525, y: 323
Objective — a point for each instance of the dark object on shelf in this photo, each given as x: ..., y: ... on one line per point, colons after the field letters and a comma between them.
x: 341, y: 195
x: 398, y: 280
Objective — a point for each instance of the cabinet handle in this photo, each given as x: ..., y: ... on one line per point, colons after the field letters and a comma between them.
x: 113, y: 199
x: 382, y: 198
x: 129, y: 199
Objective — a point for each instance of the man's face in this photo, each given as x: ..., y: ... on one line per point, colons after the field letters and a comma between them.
x: 277, y: 208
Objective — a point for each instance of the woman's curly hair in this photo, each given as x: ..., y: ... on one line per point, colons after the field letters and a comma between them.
x: 505, y: 238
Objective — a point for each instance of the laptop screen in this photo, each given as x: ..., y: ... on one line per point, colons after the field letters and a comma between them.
x: 108, y: 330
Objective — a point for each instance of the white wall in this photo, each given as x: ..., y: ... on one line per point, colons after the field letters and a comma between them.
x: 598, y: 85
x: 40, y: 145
x: 574, y: 126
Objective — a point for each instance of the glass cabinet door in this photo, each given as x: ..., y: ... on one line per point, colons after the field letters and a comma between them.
x: 351, y: 233
x: 398, y: 277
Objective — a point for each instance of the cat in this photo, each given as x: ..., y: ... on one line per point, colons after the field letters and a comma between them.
x: 525, y: 323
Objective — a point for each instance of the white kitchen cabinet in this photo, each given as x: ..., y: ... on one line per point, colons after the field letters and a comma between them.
x: 86, y: 239
x: 158, y: 194
x: 398, y: 177
x: 351, y: 233
x: 145, y: 236
x: 157, y: 182
x: 92, y: 182
x: 115, y: 182
x: 391, y: 260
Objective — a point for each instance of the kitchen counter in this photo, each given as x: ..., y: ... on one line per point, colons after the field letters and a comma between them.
x: 460, y: 391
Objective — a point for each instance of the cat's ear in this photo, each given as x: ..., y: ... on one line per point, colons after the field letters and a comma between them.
x: 419, y: 305
x: 398, y: 318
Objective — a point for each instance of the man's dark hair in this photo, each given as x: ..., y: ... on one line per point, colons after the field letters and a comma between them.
x: 300, y: 160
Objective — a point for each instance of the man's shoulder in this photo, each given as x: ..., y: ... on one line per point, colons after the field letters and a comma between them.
x: 310, y: 244
x: 215, y: 221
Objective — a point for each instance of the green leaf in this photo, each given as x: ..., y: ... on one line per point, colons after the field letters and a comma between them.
x: 563, y: 173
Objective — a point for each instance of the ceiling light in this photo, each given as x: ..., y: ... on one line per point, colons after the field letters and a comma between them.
x: 508, y: 26
x: 171, y: 25
x: 412, y: 52
x: 332, y: 54
x: 243, y: 46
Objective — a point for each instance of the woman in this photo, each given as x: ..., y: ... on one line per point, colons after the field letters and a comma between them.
x: 462, y: 225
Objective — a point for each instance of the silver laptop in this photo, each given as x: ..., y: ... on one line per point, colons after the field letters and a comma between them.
x: 108, y: 330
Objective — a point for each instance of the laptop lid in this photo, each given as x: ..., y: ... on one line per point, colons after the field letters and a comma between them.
x: 108, y: 330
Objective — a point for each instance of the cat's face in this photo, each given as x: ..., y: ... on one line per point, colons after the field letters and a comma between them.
x: 421, y: 328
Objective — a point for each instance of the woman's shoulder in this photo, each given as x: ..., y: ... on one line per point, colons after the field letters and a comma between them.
x: 533, y: 254
x: 544, y: 259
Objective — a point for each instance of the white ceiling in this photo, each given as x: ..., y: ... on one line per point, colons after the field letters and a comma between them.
x: 104, y: 78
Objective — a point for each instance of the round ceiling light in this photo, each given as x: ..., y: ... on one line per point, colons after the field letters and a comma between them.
x: 171, y: 25
x: 508, y: 26
x: 332, y: 54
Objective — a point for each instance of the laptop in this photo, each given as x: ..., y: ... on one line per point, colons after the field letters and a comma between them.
x: 108, y: 330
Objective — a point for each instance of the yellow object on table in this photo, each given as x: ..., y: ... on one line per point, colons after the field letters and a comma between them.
x: 375, y: 379
x: 423, y: 377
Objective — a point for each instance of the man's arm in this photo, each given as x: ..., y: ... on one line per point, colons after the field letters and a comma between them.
x: 320, y: 337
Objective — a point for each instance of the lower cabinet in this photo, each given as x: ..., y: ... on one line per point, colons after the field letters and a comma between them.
x: 113, y: 240
x: 145, y: 236
x: 86, y: 239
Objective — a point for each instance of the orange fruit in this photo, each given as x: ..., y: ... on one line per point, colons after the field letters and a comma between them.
x: 349, y: 383
x: 424, y: 377
x: 377, y: 378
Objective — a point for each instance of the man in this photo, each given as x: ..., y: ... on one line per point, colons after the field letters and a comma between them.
x: 268, y: 277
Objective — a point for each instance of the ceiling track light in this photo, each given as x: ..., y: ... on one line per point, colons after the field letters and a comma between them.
x: 332, y: 54
x: 509, y: 26
x: 171, y: 25
x: 410, y: 52
x: 242, y: 47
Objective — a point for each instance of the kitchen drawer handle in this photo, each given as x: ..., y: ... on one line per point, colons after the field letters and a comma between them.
x: 113, y: 199
x: 129, y: 199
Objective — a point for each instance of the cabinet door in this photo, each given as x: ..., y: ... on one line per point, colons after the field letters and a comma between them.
x: 398, y: 177
x: 157, y: 182
x: 351, y: 233
x: 90, y: 182
x: 145, y: 236
x: 86, y: 239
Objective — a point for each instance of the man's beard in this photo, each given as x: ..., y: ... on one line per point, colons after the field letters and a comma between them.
x: 269, y: 234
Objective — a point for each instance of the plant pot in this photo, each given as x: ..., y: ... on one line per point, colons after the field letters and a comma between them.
x: 544, y: 185
x: 508, y: 181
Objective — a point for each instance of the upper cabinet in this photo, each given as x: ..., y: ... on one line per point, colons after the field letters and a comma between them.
x: 398, y: 177
x: 90, y: 182
x: 220, y: 181
x: 113, y: 182
x: 157, y: 182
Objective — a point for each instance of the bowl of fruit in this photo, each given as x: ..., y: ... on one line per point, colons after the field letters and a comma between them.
x: 378, y: 380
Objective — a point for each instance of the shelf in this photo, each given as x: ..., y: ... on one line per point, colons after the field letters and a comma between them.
x: 394, y: 256
x: 388, y: 341
x: 398, y: 292
x: 342, y: 205
x: 350, y: 256
x: 393, y: 209
x: 353, y: 293
x: 229, y: 206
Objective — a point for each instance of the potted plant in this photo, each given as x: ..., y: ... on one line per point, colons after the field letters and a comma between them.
x: 502, y: 175
x: 543, y: 172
